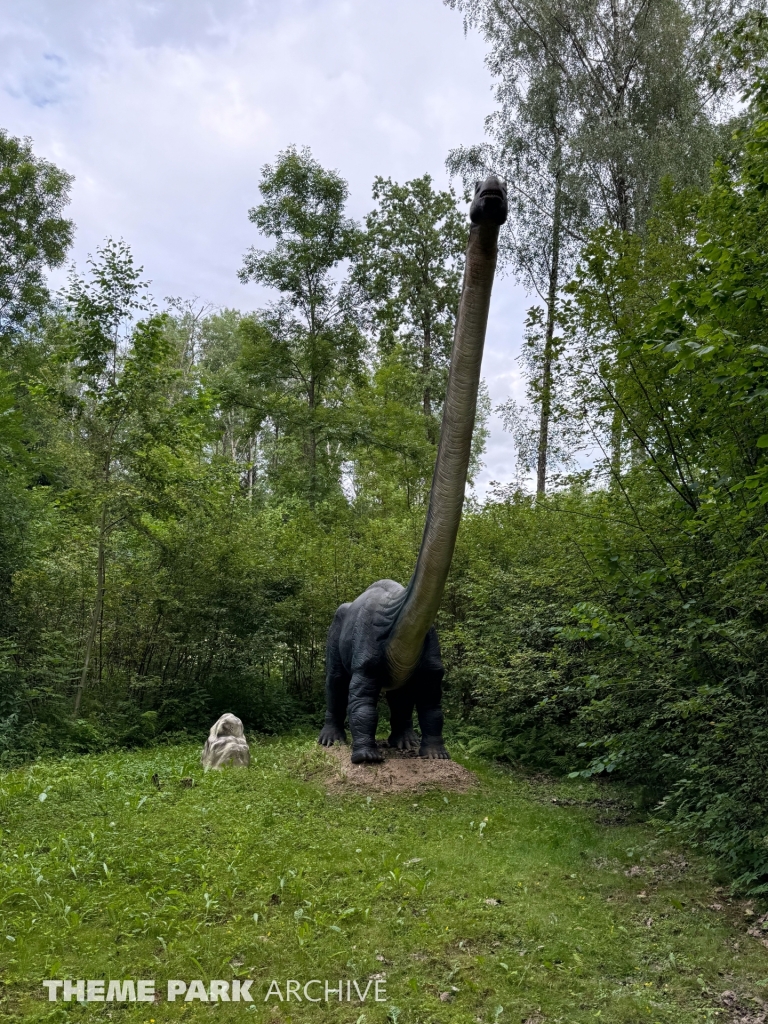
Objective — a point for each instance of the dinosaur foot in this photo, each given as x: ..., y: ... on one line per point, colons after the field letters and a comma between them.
x: 434, y: 749
x: 331, y: 734
x: 366, y: 755
x: 407, y: 740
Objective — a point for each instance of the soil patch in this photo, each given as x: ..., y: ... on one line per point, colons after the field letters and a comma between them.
x: 739, y: 1012
x: 400, y: 772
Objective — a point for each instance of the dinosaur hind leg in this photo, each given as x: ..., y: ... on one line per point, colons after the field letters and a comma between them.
x: 402, y: 736
x: 430, y: 718
x: 429, y: 691
x: 428, y: 688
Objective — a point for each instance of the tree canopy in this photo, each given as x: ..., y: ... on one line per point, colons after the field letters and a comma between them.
x: 34, y: 236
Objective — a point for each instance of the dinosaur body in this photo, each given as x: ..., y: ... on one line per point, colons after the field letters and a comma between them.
x: 385, y: 640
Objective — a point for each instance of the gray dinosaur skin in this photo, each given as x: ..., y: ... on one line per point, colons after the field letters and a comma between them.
x: 385, y: 640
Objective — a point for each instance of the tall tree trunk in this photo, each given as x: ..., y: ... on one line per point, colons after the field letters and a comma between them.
x: 616, y: 439
x: 617, y: 425
x: 623, y: 218
x: 98, y: 604
x: 426, y: 366
x: 549, y: 354
x: 312, y: 444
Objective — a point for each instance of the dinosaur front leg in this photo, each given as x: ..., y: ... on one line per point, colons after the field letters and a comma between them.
x: 402, y: 736
x: 336, y: 698
x: 428, y: 697
x: 363, y: 718
x: 336, y: 688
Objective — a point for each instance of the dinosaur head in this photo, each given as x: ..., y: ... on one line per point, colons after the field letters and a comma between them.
x: 490, y: 203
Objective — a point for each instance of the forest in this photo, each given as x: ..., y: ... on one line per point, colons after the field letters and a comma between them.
x: 188, y: 492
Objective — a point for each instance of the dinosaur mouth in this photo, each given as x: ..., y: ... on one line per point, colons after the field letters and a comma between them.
x: 490, y: 203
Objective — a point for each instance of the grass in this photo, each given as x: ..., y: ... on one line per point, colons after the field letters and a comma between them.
x: 518, y: 902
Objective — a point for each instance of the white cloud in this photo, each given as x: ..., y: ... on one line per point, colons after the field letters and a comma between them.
x: 164, y: 111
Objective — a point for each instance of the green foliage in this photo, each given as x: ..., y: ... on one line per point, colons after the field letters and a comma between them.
x: 607, y: 100
x: 33, y: 234
x: 410, y: 269
x: 512, y: 687
x: 303, y: 210
x: 669, y: 379
x: 307, y: 347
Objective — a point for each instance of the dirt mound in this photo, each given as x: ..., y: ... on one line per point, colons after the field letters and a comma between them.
x: 401, y: 772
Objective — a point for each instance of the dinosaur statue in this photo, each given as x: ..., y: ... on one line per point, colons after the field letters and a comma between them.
x: 385, y: 640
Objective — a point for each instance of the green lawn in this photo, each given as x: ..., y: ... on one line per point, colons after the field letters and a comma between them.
x: 527, y: 900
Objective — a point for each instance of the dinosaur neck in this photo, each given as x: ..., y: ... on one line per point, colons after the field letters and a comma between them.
x: 446, y: 499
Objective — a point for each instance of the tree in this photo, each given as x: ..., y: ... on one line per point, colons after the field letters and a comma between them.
x: 33, y: 234
x: 549, y: 214
x: 620, y: 95
x: 410, y: 268
x: 304, y: 351
x: 131, y: 425
x: 643, y: 79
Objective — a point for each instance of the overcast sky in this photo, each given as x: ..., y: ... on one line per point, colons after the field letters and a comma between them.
x: 164, y: 111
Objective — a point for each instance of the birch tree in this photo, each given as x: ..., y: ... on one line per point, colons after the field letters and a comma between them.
x: 530, y: 143
x: 624, y: 94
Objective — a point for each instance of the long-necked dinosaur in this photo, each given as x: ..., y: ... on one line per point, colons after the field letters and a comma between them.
x: 385, y: 639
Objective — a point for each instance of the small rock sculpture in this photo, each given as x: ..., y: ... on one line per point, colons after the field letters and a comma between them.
x: 226, y: 744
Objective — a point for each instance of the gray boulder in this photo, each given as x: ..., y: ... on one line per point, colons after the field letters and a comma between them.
x: 226, y: 744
